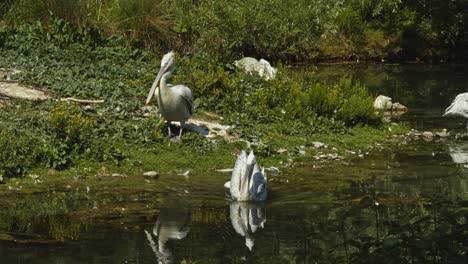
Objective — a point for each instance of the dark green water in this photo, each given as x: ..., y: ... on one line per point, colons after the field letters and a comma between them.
x: 399, y: 205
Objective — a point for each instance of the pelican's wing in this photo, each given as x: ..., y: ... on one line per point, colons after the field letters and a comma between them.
x: 257, y: 177
x: 237, y: 173
x: 251, y: 158
x: 459, y: 106
x: 258, y: 185
x: 187, y: 96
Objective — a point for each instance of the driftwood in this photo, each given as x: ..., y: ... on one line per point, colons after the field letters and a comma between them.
x: 71, y: 99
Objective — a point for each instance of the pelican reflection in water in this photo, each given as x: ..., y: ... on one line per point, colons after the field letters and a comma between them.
x: 172, y: 224
x: 246, y: 219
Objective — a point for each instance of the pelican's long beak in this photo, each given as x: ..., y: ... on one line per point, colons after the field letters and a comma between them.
x: 155, y: 83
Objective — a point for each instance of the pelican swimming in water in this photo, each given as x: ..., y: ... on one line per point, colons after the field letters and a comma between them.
x: 459, y: 107
x: 175, y: 103
x: 248, y: 182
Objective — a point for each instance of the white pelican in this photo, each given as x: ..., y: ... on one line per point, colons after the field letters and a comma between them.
x: 248, y: 182
x: 175, y: 103
x: 459, y: 107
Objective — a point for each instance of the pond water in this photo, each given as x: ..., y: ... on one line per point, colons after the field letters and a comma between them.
x: 398, y: 205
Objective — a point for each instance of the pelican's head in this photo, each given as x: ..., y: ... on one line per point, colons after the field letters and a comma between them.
x: 167, y: 64
x: 167, y: 61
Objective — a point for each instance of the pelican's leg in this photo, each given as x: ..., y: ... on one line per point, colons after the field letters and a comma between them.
x: 168, y: 124
x: 181, y: 128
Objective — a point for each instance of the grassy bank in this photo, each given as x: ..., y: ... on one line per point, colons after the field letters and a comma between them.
x: 277, y: 30
x: 288, y: 113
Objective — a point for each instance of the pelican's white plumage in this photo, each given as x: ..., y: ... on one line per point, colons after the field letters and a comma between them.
x: 459, y: 106
x: 248, y: 181
x: 175, y: 102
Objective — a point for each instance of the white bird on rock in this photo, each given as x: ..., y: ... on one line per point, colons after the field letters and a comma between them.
x: 175, y: 103
x: 459, y: 107
x: 248, y: 182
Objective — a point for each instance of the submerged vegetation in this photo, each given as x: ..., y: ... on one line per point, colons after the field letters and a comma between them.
x: 277, y: 30
x: 285, y: 113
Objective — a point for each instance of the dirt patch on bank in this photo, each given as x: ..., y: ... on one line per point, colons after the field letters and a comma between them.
x: 14, y: 90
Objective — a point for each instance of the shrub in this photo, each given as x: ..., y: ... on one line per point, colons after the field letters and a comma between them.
x: 356, y: 106
x: 17, y: 153
x: 70, y: 133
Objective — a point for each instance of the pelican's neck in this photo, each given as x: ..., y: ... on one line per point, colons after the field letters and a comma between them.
x: 163, y: 83
x: 163, y: 90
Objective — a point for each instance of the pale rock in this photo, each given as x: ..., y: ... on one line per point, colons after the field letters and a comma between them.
x: 428, y: 134
x: 317, y: 144
x: 151, y: 174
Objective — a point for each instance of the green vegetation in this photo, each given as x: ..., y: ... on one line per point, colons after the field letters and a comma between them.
x: 277, y: 30
x: 291, y: 111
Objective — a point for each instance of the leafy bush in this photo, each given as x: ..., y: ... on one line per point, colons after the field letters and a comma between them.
x: 357, y: 105
x: 56, y: 140
x: 70, y: 133
x: 17, y: 152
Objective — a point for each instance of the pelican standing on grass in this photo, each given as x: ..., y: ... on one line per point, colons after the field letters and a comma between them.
x: 248, y: 182
x: 459, y: 107
x: 175, y: 103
